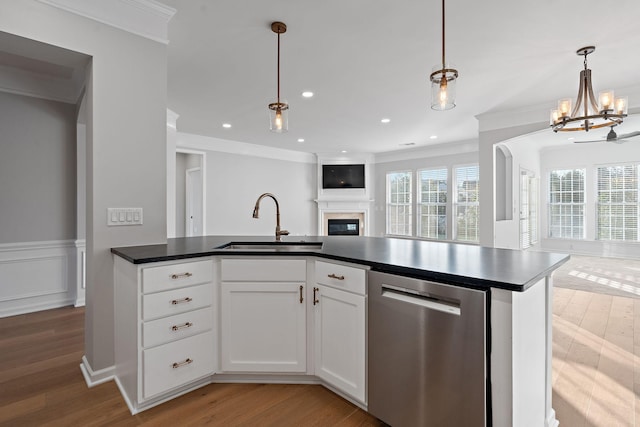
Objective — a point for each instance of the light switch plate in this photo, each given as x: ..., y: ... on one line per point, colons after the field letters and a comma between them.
x: 124, y: 216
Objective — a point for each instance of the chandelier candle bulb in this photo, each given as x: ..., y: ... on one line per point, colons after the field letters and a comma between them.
x: 564, y: 107
x: 606, y: 101
x: 621, y: 105
x: 553, y: 119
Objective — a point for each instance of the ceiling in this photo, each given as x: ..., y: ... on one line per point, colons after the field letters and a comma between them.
x: 367, y: 60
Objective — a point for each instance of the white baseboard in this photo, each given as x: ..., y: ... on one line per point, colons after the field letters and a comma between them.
x: 551, y: 420
x: 36, y: 276
x: 94, y: 378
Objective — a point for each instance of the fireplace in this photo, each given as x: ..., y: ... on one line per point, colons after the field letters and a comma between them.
x: 343, y: 227
x: 343, y: 223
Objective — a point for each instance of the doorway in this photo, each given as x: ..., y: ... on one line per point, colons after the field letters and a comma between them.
x: 190, y: 193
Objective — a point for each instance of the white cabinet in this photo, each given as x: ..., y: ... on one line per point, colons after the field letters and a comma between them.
x: 164, y: 339
x: 339, y: 304
x: 263, y: 315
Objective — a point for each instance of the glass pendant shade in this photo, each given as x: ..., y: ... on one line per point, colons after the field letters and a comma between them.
x: 279, y: 117
x: 443, y: 87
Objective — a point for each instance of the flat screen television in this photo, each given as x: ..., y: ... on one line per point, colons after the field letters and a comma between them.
x: 343, y: 176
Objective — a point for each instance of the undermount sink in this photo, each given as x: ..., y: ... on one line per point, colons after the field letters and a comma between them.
x: 273, y: 246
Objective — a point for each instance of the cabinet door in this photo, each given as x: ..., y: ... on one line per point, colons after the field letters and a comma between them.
x: 340, y: 340
x: 263, y: 327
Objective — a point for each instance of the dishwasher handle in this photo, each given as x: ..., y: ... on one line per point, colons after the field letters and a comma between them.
x: 421, y: 300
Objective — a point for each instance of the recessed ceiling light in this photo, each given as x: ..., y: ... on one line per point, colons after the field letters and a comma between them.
x: 226, y: 125
x: 385, y: 120
x: 307, y: 94
x: 300, y: 139
x: 433, y: 137
x: 571, y: 138
x: 343, y: 151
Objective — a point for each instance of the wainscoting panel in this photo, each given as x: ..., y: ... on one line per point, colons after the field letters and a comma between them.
x: 36, y: 276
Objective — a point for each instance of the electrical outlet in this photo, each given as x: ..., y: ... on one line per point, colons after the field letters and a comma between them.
x: 124, y: 216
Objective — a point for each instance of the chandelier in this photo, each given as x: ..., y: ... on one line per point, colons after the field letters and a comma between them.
x: 278, y: 110
x: 587, y: 114
x: 443, y: 81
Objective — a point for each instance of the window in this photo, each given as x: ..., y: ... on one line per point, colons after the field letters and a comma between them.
x: 399, y: 203
x: 432, y: 199
x: 566, y: 203
x: 618, y: 205
x: 466, y: 206
x: 528, y: 209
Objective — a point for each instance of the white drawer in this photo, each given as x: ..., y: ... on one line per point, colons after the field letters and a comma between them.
x: 264, y: 270
x: 176, y: 301
x: 177, y: 363
x: 341, y: 277
x: 165, y: 277
x: 176, y: 327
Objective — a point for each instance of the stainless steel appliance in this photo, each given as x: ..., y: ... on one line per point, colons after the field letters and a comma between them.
x: 427, y: 358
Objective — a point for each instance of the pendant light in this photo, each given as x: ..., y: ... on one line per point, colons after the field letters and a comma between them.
x: 587, y: 114
x: 278, y: 110
x: 443, y: 81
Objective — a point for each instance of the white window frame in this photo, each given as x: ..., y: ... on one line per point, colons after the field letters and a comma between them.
x: 408, y: 206
x: 422, y: 205
x: 624, y: 204
x: 571, y: 206
x: 456, y: 205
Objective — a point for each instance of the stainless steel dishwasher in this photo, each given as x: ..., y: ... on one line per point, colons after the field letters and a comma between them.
x: 427, y: 363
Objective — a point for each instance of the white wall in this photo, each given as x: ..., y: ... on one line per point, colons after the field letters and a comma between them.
x: 126, y: 144
x: 435, y: 156
x: 235, y: 180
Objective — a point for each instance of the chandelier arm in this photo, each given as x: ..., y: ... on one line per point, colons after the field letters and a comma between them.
x: 592, y: 98
x: 576, y: 108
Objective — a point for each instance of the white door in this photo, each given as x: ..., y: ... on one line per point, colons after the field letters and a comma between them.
x: 193, y: 202
x: 339, y: 320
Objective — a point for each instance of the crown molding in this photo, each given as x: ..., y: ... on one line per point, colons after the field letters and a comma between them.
x: 207, y: 143
x: 145, y: 18
x: 433, y: 150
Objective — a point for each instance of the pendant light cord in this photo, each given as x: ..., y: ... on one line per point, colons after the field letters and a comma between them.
x: 278, y: 68
x: 443, y: 63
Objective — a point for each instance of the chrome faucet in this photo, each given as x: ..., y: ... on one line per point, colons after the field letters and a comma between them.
x: 256, y: 210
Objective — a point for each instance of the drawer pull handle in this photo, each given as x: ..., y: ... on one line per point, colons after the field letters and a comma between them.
x: 185, y: 362
x: 334, y: 276
x: 178, y: 327
x: 301, y: 297
x: 178, y: 301
x: 181, y: 275
x: 315, y: 298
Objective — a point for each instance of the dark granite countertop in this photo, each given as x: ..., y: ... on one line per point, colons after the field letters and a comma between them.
x: 453, y: 263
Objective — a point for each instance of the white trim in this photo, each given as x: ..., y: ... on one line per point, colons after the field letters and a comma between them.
x: 199, y: 142
x: 36, y: 276
x: 27, y: 246
x: 145, y: 18
x: 436, y: 150
x: 94, y: 378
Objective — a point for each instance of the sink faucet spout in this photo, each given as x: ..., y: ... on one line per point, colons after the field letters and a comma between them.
x: 256, y: 211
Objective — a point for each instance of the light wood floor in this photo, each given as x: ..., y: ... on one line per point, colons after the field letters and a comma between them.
x: 596, y: 377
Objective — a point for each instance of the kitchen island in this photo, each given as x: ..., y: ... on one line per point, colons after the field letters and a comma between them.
x: 517, y: 314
